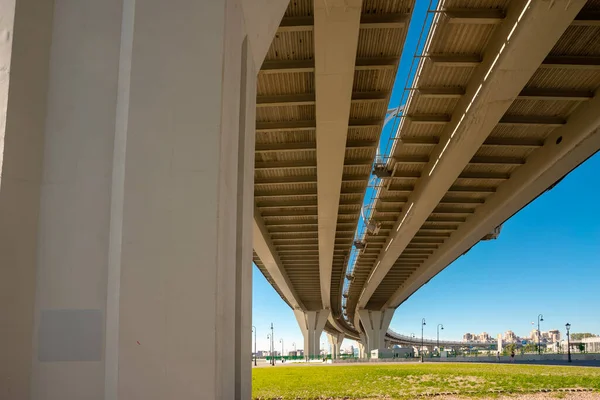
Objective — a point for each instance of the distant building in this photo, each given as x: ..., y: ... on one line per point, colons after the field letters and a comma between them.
x: 534, y: 335
x: 554, y: 336
x: 510, y: 337
x: 590, y: 345
x: 467, y: 337
x: 483, y: 337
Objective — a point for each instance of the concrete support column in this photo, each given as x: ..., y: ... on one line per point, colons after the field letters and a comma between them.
x: 312, y: 324
x: 361, y: 351
x: 126, y: 197
x: 375, y: 325
x: 24, y: 59
x: 335, y: 340
x: 180, y: 254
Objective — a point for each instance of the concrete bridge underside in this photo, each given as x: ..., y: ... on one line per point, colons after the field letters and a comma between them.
x: 151, y: 150
x: 503, y: 105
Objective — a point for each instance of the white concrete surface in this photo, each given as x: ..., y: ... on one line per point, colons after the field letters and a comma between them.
x: 126, y: 197
x: 24, y: 59
x: 375, y: 325
x: 311, y: 325
x: 336, y: 30
x: 335, y: 340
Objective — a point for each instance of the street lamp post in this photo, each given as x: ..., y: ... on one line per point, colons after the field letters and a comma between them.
x: 540, y: 318
x: 281, y: 341
x: 568, y: 326
x: 422, y: 343
x: 254, y: 329
x: 272, y: 346
x: 438, y: 336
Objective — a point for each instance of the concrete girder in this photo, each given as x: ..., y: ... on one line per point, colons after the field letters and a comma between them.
x: 483, y: 16
x: 587, y: 18
x: 290, y: 180
x: 565, y: 149
x: 306, y: 164
x: 336, y: 29
x: 310, y: 146
x: 310, y: 99
x: 490, y: 141
x: 293, y: 66
x: 367, y: 21
x: 265, y: 250
x: 311, y: 192
x: 442, y: 119
x: 508, y: 65
x: 311, y: 124
x: 474, y: 60
x: 526, y: 94
x: 497, y: 160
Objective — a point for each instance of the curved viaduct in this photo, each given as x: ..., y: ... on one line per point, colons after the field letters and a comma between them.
x: 502, y: 106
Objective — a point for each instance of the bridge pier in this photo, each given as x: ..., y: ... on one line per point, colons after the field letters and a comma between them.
x: 361, y: 350
x: 335, y: 340
x: 375, y: 325
x: 311, y: 325
x: 126, y: 197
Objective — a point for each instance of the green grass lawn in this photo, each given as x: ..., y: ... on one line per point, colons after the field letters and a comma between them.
x: 407, y: 380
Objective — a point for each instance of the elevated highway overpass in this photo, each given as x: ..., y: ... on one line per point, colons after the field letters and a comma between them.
x: 322, y: 96
x: 149, y: 150
x: 396, y: 338
x: 502, y: 106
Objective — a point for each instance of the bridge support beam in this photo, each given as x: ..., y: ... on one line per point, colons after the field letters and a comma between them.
x: 312, y: 324
x: 335, y: 340
x: 375, y: 325
x: 126, y: 202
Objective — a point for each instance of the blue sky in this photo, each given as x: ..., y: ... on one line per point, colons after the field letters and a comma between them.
x: 546, y: 260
